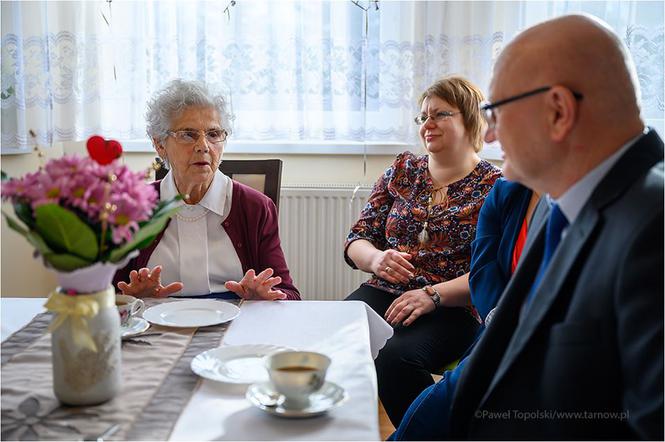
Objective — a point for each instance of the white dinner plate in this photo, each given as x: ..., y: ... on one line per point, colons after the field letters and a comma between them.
x: 235, y: 364
x: 191, y: 313
x: 136, y: 326
x: 265, y: 397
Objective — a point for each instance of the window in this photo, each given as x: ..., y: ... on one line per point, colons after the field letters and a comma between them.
x: 308, y: 75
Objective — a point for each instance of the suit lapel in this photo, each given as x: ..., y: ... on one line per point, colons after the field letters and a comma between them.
x: 550, y: 288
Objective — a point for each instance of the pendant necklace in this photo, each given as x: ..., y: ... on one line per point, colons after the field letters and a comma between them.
x: 423, y: 236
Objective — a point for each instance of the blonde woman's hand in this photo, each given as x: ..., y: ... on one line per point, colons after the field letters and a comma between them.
x: 393, y: 266
x: 257, y: 287
x: 145, y: 283
x: 409, y: 307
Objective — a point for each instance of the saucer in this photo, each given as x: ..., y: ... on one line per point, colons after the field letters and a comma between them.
x: 265, y: 397
x: 135, y: 326
x: 235, y: 364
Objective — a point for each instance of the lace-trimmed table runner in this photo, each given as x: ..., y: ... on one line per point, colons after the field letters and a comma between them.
x: 157, y: 384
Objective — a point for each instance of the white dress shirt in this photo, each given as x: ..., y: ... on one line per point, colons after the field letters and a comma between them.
x: 195, y: 248
x: 573, y: 200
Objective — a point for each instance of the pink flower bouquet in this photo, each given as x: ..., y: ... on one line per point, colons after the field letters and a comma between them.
x: 80, y: 211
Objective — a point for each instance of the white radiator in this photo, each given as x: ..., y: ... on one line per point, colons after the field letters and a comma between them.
x: 313, y: 224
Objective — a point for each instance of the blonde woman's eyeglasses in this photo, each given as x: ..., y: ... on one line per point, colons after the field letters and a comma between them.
x: 439, y: 116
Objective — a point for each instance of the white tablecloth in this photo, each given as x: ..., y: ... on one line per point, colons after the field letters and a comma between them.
x: 349, y: 332
x: 17, y: 312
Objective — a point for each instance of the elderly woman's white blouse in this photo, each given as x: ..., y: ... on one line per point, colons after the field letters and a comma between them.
x: 195, y: 248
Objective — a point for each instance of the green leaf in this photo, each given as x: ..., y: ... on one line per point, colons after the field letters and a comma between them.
x: 8, y: 93
x: 24, y: 212
x: 63, y: 262
x: 32, y: 236
x: 64, y: 231
x: 66, y: 262
x: 15, y: 226
x: 3, y: 175
x: 38, y: 243
x: 166, y: 206
x: 146, y: 242
x: 146, y: 234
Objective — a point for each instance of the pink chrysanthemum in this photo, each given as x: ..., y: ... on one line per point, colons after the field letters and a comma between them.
x: 86, y: 187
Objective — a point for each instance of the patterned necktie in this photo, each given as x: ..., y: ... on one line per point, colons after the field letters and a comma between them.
x: 555, y: 225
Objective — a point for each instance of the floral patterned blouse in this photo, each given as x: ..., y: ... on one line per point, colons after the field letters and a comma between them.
x: 397, y: 210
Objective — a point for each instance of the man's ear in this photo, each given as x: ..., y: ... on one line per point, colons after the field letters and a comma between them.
x: 562, y: 107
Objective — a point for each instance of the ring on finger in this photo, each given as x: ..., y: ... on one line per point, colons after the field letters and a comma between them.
x: 387, y: 269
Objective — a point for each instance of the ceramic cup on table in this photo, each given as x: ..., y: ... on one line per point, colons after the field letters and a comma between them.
x: 296, y: 375
x: 128, y: 306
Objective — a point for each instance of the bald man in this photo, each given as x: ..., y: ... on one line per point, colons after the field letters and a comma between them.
x: 575, y: 348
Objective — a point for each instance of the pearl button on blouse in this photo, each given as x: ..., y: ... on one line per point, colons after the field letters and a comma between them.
x: 195, y: 248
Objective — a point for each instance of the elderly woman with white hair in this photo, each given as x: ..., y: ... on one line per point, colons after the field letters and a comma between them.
x: 225, y: 237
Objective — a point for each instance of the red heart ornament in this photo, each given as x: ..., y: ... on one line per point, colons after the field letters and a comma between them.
x: 103, y: 151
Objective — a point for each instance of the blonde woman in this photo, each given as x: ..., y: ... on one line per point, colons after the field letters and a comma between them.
x: 415, y: 236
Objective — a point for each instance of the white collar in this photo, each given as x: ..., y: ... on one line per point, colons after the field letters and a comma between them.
x: 573, y: 200
x: 213, y: 200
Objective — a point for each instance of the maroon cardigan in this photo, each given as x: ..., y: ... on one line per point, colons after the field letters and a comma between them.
x: 252, y: 228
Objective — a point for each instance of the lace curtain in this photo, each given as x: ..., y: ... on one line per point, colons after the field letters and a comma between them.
x: 311, y: 71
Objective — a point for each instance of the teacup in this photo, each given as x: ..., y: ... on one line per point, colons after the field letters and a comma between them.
x: 297, y: 374
x: 128, y: 306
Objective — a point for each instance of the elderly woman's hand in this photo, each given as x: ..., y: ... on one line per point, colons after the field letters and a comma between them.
x: 408, y: 307
x: 146, y: 283
x: 253, y: 286
x: 393, y: 266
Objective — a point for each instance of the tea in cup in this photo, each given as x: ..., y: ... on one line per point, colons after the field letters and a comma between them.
x: 128, y: 306
x: 297, y: 374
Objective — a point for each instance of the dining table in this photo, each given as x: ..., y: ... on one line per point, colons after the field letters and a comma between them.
x: 163, y: 399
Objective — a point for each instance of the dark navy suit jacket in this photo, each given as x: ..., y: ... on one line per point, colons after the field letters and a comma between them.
x: 586, y: 362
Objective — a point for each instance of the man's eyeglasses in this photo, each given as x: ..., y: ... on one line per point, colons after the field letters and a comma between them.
x: 190, y: 136
x: 439, y: 116
x: 488, y: 108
